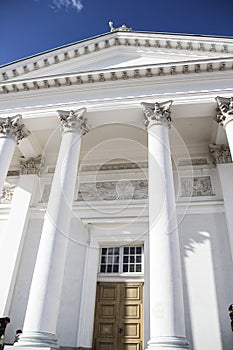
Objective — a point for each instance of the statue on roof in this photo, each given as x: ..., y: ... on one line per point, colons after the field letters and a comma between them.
x: 123, y: 28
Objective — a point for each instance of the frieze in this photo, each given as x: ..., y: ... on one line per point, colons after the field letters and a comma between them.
x: 115, y: 166
x: 196, y: 186
x: 220, y: 154
x: 193, y: 161
x: 113, y: 190
x: 133, y: 190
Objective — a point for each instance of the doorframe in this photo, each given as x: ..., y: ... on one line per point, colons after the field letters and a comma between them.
x: 91, y: 277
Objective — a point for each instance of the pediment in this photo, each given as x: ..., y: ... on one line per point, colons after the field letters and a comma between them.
x: 119, y: 50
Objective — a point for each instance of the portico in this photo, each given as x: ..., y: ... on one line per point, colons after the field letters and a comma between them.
x: 133, y: 212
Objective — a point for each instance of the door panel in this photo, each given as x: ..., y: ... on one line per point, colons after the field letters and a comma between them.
x: 119, y: 317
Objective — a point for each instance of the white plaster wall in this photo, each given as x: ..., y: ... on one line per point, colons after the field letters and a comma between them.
x: 208, y: 280
x: 72, y: 285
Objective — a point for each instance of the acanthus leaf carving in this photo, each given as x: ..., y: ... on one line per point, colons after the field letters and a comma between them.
x: 220, y: 154
x: 157, y: 113
x: 12, y: 127
x: 74, y: 120
x: 31, y: 165
x: 224, y: 110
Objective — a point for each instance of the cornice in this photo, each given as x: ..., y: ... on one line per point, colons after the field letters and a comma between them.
x: 147, y: 40
x: 119, y: 74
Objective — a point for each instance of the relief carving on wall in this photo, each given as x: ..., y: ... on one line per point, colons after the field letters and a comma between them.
x: 196, y: 186
x: 113, y: 190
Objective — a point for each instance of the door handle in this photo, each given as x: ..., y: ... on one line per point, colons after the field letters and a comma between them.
x: 120, y: 330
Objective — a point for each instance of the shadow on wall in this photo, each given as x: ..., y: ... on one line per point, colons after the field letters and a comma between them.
x: 205, y: 246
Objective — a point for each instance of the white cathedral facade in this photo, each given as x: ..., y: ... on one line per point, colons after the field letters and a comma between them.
x: 116, y: 225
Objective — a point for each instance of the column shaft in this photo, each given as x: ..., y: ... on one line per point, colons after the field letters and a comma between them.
x: 44, y: 299
x: 14, y: 235
x: 167, y: 328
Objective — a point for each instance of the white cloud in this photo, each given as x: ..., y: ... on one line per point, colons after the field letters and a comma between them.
x: 77, y: 4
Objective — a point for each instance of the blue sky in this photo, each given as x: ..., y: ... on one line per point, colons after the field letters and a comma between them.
x: 29, y: 27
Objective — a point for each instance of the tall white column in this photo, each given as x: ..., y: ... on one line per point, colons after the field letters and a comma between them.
x: 225, y: 118
x: 41, y: 316
x: 167, y: 328
x: 12, y: 131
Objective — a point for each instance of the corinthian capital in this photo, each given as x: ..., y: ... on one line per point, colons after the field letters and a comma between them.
x: 30, y: 165
x: 224, y: 110
x: 73, y: 121
x: 220, y: 154
x: 157, y: 113
x: 13, y: 127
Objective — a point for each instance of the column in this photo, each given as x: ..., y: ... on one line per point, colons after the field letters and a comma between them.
x: 44, y: 299
x: 225, y: 118
x: 167, y: 326
x: 14, y: 235
x: 12, y: 131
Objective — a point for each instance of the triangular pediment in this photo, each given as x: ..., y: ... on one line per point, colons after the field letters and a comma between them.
x: 119, y: 50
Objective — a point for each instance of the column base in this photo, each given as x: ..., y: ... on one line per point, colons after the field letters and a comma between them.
x: 37, y: 340
x: 167, y: 343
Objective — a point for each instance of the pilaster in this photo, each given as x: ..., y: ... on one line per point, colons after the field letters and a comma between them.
x: 221, y: 157
x: 14, y: 236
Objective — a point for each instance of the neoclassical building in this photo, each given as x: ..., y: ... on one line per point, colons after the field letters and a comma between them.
x: 116, y: 226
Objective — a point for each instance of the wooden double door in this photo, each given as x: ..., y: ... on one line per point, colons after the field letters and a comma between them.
x: 119, y: 316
